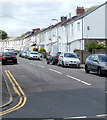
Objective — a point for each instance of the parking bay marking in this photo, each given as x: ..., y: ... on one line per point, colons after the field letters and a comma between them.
x: 74, y: 117
x: 55, y: 71
x: 78, y: 80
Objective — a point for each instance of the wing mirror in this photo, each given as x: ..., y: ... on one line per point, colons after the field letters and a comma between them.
x: 96, y: 61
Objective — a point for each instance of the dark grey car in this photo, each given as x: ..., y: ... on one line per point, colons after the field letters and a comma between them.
x: 96, y: 63
x: 53, y: 58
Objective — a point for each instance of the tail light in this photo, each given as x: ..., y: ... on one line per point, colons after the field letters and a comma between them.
x: 56, y: 56
x: 3, y: 57
x: 14, y: 56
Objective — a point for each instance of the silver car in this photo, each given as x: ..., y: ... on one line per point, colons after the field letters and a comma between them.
x: 33, y: 55
x: 96, y: 63
x: 68, y: 59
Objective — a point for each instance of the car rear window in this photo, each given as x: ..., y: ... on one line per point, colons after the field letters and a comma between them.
x: 34, y: 53
x: 70, y: 55
x: 8, y: 53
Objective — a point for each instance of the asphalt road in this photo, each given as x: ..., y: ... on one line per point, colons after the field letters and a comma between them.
x: 56, y: 92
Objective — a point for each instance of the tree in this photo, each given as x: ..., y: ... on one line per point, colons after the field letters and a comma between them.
x: 3, y: 34
x: 35, y: 49
x: 42, y: 50
x: 91, y: 8
x: 96, y: 45
x: 24, y: 34
x: 90, y: 46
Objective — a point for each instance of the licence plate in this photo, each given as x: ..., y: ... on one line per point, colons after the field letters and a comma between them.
x: 9, y: 60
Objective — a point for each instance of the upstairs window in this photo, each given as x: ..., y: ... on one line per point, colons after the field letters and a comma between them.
x: 78, y: 26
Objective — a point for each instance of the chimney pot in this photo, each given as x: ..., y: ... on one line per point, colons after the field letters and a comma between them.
x: 63, y: 18
x: 80, y: 10
x: 36, y: 30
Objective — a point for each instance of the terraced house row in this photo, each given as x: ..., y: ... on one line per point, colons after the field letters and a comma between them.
x: 68, y: 34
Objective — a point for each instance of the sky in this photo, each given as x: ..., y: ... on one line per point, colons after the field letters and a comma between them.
x: 19, y: 16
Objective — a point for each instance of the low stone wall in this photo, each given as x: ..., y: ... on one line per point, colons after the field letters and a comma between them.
x: 84, y: 54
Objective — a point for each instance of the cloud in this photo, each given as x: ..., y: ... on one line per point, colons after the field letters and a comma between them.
x: 19, y: 16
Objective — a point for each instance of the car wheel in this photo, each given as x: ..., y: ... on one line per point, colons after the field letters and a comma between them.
x: 58, y: 63
x: 47, y: 62
x: 86, y: 69
x: 99, y: 72
x: 15, y: 62
x: 3, y: 63
x: 53, y: 63
x: 63, y: 64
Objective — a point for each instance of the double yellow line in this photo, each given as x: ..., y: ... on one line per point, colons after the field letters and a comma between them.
x: 18, y: 90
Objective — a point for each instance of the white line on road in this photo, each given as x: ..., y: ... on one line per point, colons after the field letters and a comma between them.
x: 103, y: 115
x: 74, y: 117
x: 55, y: 71
x: 78, y: 80
x: 41, y: 66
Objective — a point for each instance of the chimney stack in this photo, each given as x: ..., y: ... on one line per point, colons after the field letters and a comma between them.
x: 36, y: 30
x: 63, y: 18
x: 80, y: 10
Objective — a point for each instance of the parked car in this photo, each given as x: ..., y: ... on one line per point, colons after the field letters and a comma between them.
x: 23, y: 54
x: 53, y: 58
x: 27, y: 54
x: 9, y: 57
x: 96, y: 63
x: 20, y: 54
x: 13, y: 50
x: 69, y: 59
x: 33, y: 55
x: 0, y: 56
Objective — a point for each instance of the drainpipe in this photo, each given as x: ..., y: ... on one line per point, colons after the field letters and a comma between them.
x: 82, y: 42
x: 67, y: 36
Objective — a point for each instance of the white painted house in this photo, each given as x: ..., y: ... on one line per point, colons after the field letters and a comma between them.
x: 69, y: 34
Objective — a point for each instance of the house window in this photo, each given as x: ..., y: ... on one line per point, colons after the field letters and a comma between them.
x: 78, y: 26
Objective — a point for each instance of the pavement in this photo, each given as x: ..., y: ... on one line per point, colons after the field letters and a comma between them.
x: 6, y: 94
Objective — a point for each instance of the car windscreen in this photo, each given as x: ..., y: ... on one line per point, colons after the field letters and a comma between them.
x: 34, y: 53
x: 8, y: 53
x: 70, y: 55
x: 103, y: 58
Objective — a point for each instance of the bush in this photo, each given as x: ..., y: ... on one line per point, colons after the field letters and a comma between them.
x: 42, y: 50
x: 76, y: 50
x: 100, y: 46
x: 92, y: 45
x: 35, y: 49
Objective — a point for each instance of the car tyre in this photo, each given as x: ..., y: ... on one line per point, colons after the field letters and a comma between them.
x: 3, y: 63
x: 47, y: 62
x: 86, y: 69
x: 53, y: 63
x: 58, y: 63
x: 99, y: 72
x: 63, y: 64
x: 15, y: 62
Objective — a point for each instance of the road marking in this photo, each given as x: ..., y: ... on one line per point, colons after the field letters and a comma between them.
x: 78, y: 80
x: 103, y: 115
x: 18, y: 90
x: 55, y: 71
x: 74, y: 117
x: 41, y: 66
